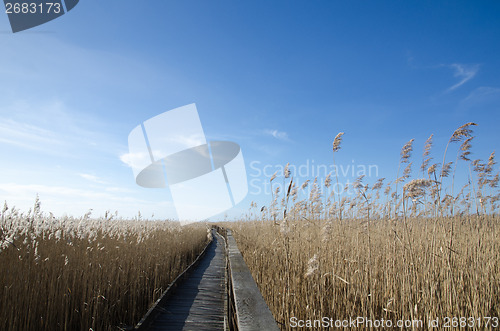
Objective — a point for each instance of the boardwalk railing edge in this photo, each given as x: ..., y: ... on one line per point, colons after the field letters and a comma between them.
x: 250, y: 309
x: 154, y: 310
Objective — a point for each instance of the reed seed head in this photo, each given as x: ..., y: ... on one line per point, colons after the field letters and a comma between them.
x: 328, y: 180
x: 273, y: 176
x: 286, y: 171
x: 427, y: 151
x: 445, y: 172
x: 337, y: 141
x: 406, y: 151
x: 312, y: 266
x: 465, y: 148
x: 462, y: 132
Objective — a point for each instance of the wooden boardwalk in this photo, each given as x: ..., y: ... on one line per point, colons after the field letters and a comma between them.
x: 197, y: 303
x: 210, y: 295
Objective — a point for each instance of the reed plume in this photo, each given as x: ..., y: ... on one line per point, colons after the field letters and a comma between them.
x: 337, y: 141
x: 425, y: 156
x: 460, y: 134
x: 404, y: 158
x: 336, y: 147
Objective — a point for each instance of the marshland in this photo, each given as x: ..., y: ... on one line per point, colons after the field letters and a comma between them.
x: 406, y: 248
x: 360, y: 178
x: 414, y: 247
x: 87, y: 273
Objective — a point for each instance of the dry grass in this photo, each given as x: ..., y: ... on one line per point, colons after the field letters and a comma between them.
x: 87, y: 274
x: 399, y: 274
x: 406, y: 250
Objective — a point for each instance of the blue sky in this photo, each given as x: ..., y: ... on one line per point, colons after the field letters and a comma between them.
x: 281, y: 78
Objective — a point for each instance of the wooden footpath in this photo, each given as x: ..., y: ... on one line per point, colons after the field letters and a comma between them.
x: 217, y: 292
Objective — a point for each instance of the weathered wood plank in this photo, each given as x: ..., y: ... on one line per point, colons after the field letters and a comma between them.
x: 252, y: 311
x: 198, y: 299
x: 197, y: 302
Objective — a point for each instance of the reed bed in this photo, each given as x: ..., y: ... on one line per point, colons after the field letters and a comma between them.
x: 399, y: 274
x: 411, y: 250
x: 87, y: 274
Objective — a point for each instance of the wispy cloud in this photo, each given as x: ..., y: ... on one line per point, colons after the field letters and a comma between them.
x: 92, y: 178
x: 280, y: 135
x: 464, y: 72
x: 118, y: 190
x: 481, y: 96
x: 28, y: 136
x: 57, y: 199
x: 53, y: 128
x: 32, y: 189
x: 95, y: 70
x: 136, y: 160
x: 483, y: 92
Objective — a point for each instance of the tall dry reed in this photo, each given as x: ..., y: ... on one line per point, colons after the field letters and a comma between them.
x: 418, y: 252
x: 86, y: 274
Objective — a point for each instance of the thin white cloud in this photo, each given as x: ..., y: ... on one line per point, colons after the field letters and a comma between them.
x: 101, y: 68
x: 28, y: 136
x: 280, y: 135
x: 57, y: 199
x: 136, y: 160
x: 24, y: 190
x: 482, y: 93
x: 464, y: 72
x: 118, y: 190
x: 52, y: 128
x: 92, y: 178
x: 484, y: 97
x: 187, y: 141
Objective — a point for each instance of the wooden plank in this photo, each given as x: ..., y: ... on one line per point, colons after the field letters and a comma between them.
x: 252, y: 312
x: 197, y: 301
